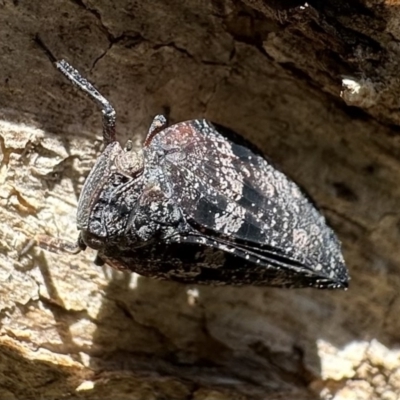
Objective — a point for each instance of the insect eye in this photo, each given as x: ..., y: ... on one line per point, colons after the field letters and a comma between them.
x: 128, y: 146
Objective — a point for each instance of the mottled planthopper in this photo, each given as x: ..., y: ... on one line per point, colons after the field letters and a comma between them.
x: 198, y: 207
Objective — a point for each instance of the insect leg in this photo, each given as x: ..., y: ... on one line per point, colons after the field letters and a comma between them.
x: 99, y: 261
x: 109, y: 114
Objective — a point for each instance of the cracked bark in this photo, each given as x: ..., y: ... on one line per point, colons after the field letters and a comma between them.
x: 269, y: 70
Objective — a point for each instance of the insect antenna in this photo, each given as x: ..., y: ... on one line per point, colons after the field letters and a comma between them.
x: 109, y: 114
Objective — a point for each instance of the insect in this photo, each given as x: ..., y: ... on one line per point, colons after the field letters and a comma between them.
x: 196, y: 207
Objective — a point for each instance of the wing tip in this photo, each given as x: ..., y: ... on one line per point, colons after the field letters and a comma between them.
x: 338, y: 282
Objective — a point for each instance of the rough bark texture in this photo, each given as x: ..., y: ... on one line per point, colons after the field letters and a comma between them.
x: 270, y: 70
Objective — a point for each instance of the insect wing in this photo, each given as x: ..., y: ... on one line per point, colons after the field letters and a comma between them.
x: 236, y: 201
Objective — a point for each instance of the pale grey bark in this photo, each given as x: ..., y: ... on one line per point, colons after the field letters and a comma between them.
x: 274, y: 75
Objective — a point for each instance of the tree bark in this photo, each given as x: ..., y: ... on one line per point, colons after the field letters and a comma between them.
x: 314, y: 85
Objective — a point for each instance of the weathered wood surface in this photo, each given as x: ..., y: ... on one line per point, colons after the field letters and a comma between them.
x: 272, y: 71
